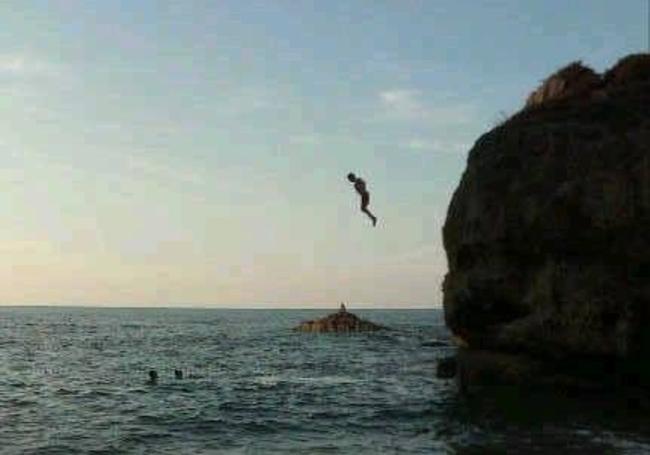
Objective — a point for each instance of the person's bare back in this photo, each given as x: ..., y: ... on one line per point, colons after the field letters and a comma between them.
x: 360, y: 187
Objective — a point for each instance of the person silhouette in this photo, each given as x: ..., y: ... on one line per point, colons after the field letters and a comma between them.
x: 153, y: 377
x: 360, y: 187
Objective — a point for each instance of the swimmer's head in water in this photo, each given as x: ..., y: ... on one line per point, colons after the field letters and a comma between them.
x: 352, y: 177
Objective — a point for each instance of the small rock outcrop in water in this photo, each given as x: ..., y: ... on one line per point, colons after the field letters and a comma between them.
x: 548, y: 236
x: 342, y: 321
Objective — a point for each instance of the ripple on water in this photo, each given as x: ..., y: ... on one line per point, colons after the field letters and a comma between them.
x: 252, y: 385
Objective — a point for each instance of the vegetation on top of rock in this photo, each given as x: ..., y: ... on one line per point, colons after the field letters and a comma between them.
x: 573, y: 80
x: 579, y: 82
x: 633, y: 68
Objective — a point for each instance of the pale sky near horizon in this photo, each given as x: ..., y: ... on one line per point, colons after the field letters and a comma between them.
x: 195, y: 153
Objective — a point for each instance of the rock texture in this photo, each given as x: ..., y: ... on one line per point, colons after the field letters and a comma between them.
x: 342, y: 321
x: 548, y: 234
x: 571, y: 81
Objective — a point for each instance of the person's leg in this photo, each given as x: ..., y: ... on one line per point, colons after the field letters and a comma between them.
x: 365, y: 200
x: 370, y: 215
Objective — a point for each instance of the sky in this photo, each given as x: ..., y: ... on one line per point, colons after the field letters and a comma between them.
x: 194, y: 153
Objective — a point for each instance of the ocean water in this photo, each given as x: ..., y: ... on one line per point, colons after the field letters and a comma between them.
x: 73, y: 380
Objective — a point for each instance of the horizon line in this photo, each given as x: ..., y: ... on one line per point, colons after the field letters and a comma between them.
x: 224, y: 307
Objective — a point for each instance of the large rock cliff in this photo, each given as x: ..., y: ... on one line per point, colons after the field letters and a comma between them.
x: 548, y: 233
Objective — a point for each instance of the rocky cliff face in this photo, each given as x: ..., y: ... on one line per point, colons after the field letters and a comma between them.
x: 548, y: 232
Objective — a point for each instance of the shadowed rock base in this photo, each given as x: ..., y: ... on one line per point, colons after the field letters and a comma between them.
x: 503, y: 377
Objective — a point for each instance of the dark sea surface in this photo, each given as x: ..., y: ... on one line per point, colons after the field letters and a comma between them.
x: 72, y: 380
